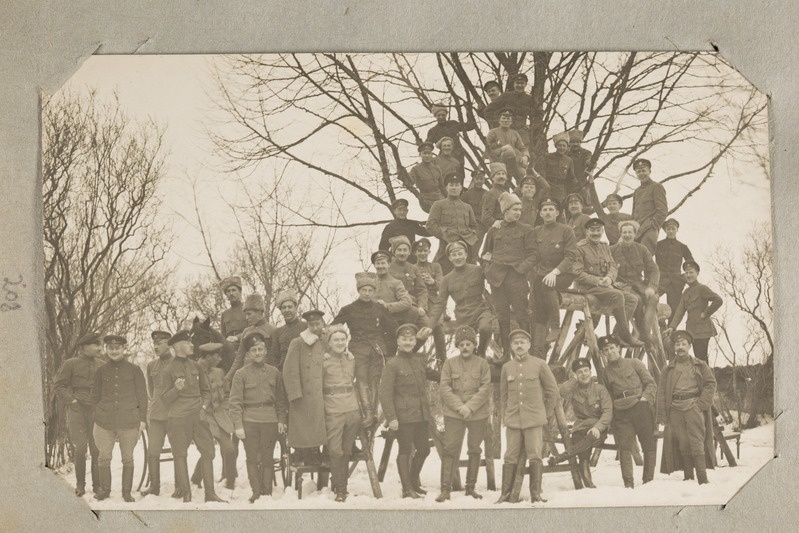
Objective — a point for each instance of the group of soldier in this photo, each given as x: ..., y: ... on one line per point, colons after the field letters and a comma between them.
x: 321, y: 384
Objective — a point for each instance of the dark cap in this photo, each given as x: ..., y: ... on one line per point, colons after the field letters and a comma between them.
x: 407, y: 329
x: 517, y: 332
x: 308, y: 315
x: 479, y: 171
x: 690, y: 264
x: 682, y: 334
x: 182, y: 335
x: 252, y: 338
x: 518, y: 77
x: 594, y: 223
x: 548, y: 201
x: 530, y: 180
x: 638, y: 163
x: 574, y: 195
x: 671, y: 222
x: 607, y: 340
x: 210, y: 348
x: 455, y: 245
x: 614, y: 196
x: 426, y: 146
x: 581, y: 362
x: 491, y: 83
x: 423, y: 240
x: 115, y: 339
x: 398, y: 202
x: 452, y: 178
x: 160, y: 334
x: 90, y: 338
x: 381, y: 254
x: 505, y: 111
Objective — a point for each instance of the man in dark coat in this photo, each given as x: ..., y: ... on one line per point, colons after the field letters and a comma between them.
x: 450, y: 220
x: 401, y: 225
x: 157, y: 412
x: 613, y: 203
x: 427, y: 180
x: 255, y: 313
x: 650, y: 206
x: 119, y: 397
x: 493, y: 90
x: 73, y: 386
x: 302, y: 380
x: 232, y: 322
x: 670, y: 254
x: 685, y: 399
x: 558, y: 169
x: 491, y: 213
x: 519, y: 102
x: 286, y: 302
x: 581, y: 158
x: 474, y: 197
x: 451, y: 129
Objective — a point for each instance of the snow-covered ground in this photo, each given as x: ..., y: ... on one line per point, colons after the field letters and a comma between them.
x: 756, y: 449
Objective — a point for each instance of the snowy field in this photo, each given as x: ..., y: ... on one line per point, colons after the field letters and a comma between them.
x: 756, y: 449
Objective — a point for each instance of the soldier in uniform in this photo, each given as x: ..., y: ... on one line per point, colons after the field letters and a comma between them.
x: 491, y: 213
x: 493, y: 90
x: 505, y: 145
x: 465, y: 388
x: 534, y: 189
x: 581, y: 158
x: 401, y: 225
x: 596, y: 272
x: 518, y: 102
x: 187, y: 395
x: 576, y: 219
x: 474, y: 197
x: 466, y: 286
x: 685, y: 399
x: 433, y: 276
x: 255, y: 313
x: 558, y: 169
x: 699, y: 301
x: 371, y: 326
x: 669, y: 256
x: 553, y: 257
x: 403, y: 395
x: 286, y: 302
x: 649, y: 205
x: 446, y: 160
x: 73, y: 386
x: 508, y: 254
x: 302, y: 379
x: 343, y: 405
x: 450, y: 220
x: 593, y: 411
x: 638, y: 276
x: 232, y: 322
x: 391, y: 292
x: 427, y: 181
x: 450, y: 129
x: 258, y: 411
x: 613, y: 203
x: 119, y: 397
x: 217, y: 414
x: 528, y: 395
x: 157, y: 412
x: 633, y: 391
x: 410, y: 275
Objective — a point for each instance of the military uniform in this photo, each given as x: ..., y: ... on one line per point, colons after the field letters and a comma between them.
x: 580, y: 159
x: 612, y: 229
x: 402, y: 226
x: 649, y: 210
x: 220, y: 424
x: 433, y: 296
x: 268, y: 331
x: 577, y: 224
x: 73, y: 386
x: 530, y: 214
x: 411, y: 278
x: 452, y: 220
x: 670, y: 254
x: 698, y: 299
x: 283, y: 337
x: 558, y: 170
x: 636, y: 273
x: 497, y: 139
x: 302, y: 380
x: 685, y: 398
x: 257, y: 405
x: 157, y: 417
x: 555, y: 247
x: 511, y: 247
x: 474, y: 197
x: 429, y: 180
x: 633, y: 391
x: 490, y: 210
x: 451, y: 129
x: 448, y: 165
x: 120, y: 399
x: 232, y: 321
x: 519, y: 104
x: 465, y: 381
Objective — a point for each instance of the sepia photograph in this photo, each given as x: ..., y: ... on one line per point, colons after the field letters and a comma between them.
x: 452, y: 280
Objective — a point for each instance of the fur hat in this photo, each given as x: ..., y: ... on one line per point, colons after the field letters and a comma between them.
x: 507, y: 200
x: 436, y: 109
x: 493, y: 168
x: 560, y: 137
x: 286, y: 296
x: 633, y: 223
x: 232, y: 281
x: 337, y: 328
x: 397, y: 240
x: 442, y: 140
x: 465, y: 333
x: 575, y: 135
x: 254, y: 302
x: 362, y: 279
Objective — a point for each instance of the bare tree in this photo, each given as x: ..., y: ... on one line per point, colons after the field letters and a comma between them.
x: 353, y: 120
x: 747, y: 279
x: 103, y: 249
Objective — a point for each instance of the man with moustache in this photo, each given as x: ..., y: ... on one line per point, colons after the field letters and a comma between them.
x: 650, y: 206
x: 286, y: 302
x: 232, y: 322
x: 255, y: 313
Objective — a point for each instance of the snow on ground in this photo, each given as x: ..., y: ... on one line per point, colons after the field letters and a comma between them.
x: 757, y: 447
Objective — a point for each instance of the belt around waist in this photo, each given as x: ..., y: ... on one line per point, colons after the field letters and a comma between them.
x: 686, y: 396
x: 256, y: 405
x: 342, y: 389
x: 629, y: 393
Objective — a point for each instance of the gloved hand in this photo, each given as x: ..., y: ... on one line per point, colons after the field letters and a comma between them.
x: 240, y: 434
x: 464, y: 411
x: 393, y: 425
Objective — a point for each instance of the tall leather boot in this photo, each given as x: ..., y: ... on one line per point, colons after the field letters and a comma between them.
x: 471, y: 477
x: 365, y: 399
x: 508, y: 475
x: 182, y: 484
x: 95, y: 470
x: 267, y: 477
x: 80, y: 476
x: 536, y: 480
x: 404, y: 469
x: 626, y: 461
x: 154, y: 465
x: 482, y: 343
x: 229, y: 462
x: 701, y: 469
x: 447, y: 464
x: 687, y: 467
x: 342, y: 465
x: 254, y: 476
x: 207, y: 465
x: 127, y: 483
x: 197, y: 475
x: 585, y: 470
x: 417, y: 462
x: 649, y: 465
x: 622, y: 329
x: 104, y: 489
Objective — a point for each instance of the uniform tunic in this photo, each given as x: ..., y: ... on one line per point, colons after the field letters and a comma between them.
x: 232, y: 321
x: 465, y: 381
x: 194, y: 395
x: 451, y: 129
x: 217, y: 415
x: 119, y: 396
x: 499, y: 137
x: 528, y: 392
x: 628, y: 380
x: 435, y: 272
x: 411, y: 278
x: 650, y: 209
x: 558, y: 170
x: 257, y: 395
x: 452, y: 220
x: 592, y: 405
x: 669, y: 256
x: 302, y: 379
x: 474, y: 197
x: 466, y: 286
x: 393, y: 293
x: 75, y: 379
x: 283, y: 337
x: 530, y: 212
x: 577, y: 224
x: 268, y: 331
x: 635, y: 266
x: 447, y: 165
x: 612, y: 229
x: 519, y: 103
x: 373, y: 336
x: 338, y: 372
x: 594, y: 262
x: 555, y: 247
x: 402, y: 226
x: 511, y: 247
x: 580, y: 158
x: 491, y: 212
x: 697, y: 299
x: 429, y: 180
x: 157, y: 410
x: 403, y: 389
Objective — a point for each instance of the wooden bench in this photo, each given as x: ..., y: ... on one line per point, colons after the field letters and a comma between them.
x: 730, y: 435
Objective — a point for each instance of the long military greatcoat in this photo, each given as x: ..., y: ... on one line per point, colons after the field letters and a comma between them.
x: 302, y: 377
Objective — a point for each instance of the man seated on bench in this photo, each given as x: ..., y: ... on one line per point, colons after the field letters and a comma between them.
x: 593, y: 410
